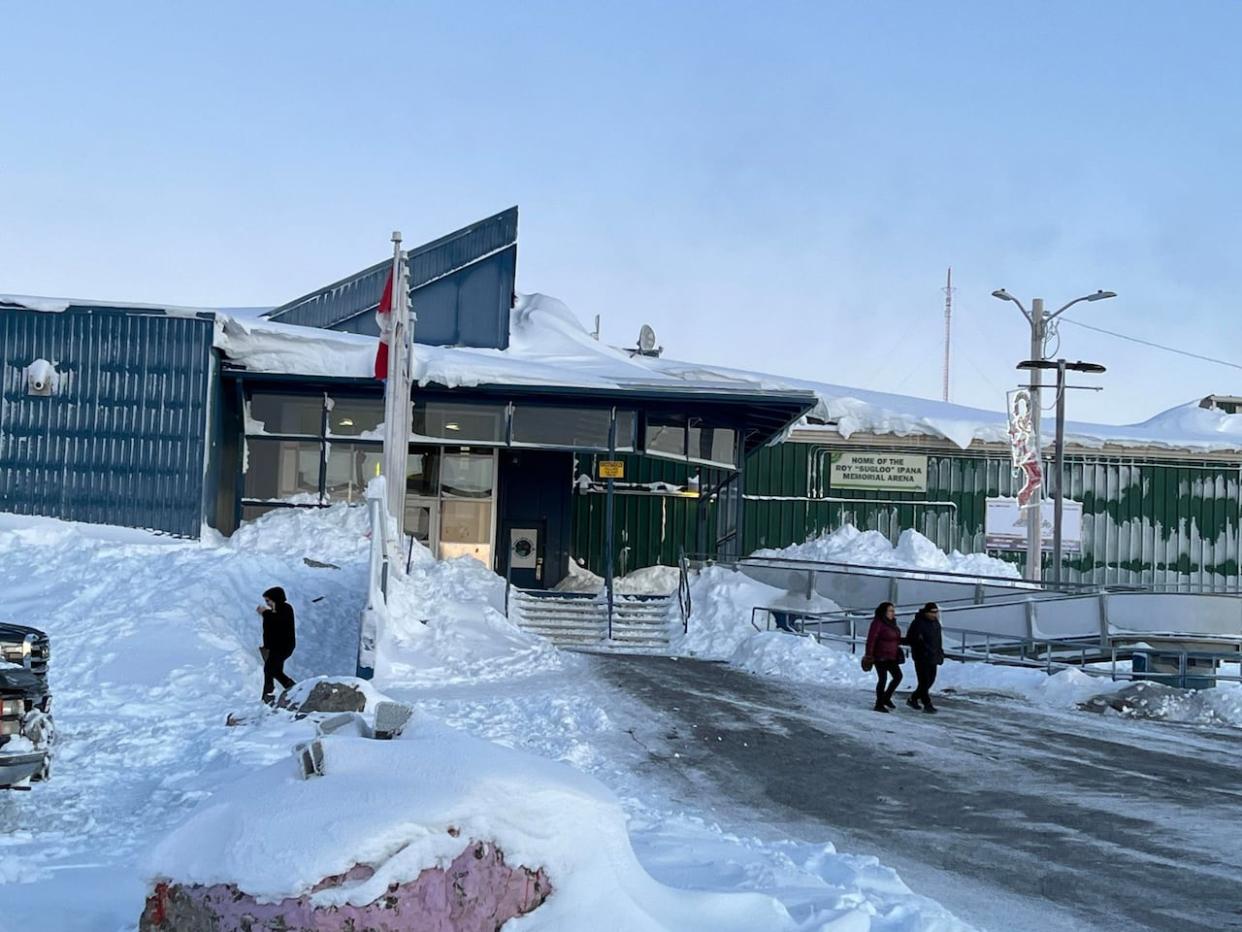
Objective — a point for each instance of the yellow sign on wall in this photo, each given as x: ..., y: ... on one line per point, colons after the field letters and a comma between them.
x: 612, y: 469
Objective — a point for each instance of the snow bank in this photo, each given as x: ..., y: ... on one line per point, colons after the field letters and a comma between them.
x: 446, y: 625
x: 339, y: 534
x: 871, y: 548
x: 649, y: 580
x: 154, y: 642
x: 410, y: 804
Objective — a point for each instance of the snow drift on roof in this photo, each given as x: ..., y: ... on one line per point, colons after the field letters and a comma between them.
x: 549, y: 346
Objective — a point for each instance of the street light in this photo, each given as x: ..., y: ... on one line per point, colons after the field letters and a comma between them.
x: 1058, y: 500
x: 1039, y: 320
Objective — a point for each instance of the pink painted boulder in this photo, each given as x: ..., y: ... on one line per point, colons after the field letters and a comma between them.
x: 477, y: 892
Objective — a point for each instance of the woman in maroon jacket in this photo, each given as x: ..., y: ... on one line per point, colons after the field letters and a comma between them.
x: 885, y: 653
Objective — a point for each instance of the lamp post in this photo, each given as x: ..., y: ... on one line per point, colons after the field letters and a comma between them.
x: 1039, y: 319
x: 1058, y: 494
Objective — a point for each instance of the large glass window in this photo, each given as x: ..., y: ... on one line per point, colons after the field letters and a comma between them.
x: 282, y: 470
x: 270, y: 413
x: 578, y: 428
x: 460, y: 423
x: 356, y: 417
x: 350, y: 467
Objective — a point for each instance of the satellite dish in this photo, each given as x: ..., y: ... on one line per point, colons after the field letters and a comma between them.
x: 646, y: 339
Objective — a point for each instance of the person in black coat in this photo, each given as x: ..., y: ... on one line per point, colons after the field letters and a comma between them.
x: 927, y: 649
x: 279, y: 640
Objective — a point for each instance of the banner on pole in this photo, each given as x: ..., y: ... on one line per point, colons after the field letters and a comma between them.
x: 1026, y: 460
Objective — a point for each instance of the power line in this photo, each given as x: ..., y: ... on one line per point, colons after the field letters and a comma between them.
x: 1159, y: 346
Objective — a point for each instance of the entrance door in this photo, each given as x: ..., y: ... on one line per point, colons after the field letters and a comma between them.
x: 525, y: 543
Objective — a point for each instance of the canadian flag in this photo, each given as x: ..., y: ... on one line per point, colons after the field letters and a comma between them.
x: 383, y: 316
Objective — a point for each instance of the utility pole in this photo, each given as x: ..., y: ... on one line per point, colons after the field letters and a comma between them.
x: 1058, y: 490
x: 1039, y: 319
x: 948, y: 325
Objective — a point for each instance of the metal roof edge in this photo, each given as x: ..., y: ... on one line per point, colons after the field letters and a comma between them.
x: 1105, y: 449
x: 276, y: 313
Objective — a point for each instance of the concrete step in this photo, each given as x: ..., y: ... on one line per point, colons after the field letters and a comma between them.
x: 550, y: 607
x: 580, y: 623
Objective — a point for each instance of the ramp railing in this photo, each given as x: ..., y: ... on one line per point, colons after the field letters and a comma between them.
x: 1049, y: 654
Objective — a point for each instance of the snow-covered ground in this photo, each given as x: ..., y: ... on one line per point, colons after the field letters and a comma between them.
x: 154, y: 644
x: 721, y: 630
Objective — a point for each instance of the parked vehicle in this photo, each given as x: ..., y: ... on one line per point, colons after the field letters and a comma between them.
x: 26, y: 728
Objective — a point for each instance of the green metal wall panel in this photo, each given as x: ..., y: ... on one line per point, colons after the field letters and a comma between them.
x: 1145, y: 522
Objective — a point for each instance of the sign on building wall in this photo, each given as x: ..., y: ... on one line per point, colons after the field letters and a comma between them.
x: 1005, y: 525
x: 892, y: 471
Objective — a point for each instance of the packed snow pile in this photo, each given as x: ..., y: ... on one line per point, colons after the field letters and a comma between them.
x: 1158, y: 702
x: 721, y: 615
x: 404, y: 806
x: 446, y: 624
x: 871, y: 548
x: 649, y: 580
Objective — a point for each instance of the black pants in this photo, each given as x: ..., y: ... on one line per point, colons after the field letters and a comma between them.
x: 884, y: 686
x: 274, y: 669
x: 925, y: 669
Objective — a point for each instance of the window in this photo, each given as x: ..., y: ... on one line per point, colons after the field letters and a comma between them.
x: 460, y: 423
x: 282, y: 470
x: 713, y: 444
x: 297, y: 415
x: 350, y: 467
x: 574, y: 428
x: 356, y: 417
x: 467, y: 475
x: 422, y: 472
x: 627, y: 422
x: 466, y: 529
x: 666, y: 440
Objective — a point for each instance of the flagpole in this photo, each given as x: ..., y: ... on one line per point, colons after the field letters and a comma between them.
x: 397, y: 412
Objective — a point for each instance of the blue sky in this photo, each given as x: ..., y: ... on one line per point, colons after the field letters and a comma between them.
x: 776, y: 186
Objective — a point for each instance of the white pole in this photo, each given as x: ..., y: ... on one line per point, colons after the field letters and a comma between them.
x: 1035, y: 514
x: 397, y: 395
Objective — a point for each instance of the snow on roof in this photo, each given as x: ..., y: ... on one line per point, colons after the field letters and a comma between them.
x: 57, y: 305
x: 549, y: 346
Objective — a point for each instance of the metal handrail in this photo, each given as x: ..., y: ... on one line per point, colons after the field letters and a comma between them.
x: 1018, y: 585
x: 684, y: 602
x: 1037, y: 653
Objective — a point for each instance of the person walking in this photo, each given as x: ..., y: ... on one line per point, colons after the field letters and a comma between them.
x: 927, y: 649
x: 884, y: 655
x: 279, y: 641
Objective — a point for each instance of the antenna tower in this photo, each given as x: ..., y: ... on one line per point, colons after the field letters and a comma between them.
x: 948, y: 326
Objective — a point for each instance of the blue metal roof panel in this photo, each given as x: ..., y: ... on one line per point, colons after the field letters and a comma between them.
x: 360, y: 292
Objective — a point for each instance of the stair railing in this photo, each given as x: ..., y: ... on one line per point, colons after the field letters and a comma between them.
x: 684, y: 602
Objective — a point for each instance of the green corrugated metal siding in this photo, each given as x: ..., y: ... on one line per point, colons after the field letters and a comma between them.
x: 1145, y: 522
x: 649, y: 529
